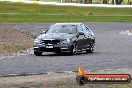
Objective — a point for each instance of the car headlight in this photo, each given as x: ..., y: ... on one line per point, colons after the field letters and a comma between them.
x: 65, y: 41
x: 36, y: 41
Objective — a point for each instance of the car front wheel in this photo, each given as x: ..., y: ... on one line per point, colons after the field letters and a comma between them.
x: 73, y: 50
x: 38, y: 53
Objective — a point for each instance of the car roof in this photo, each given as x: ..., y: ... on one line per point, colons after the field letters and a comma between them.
x: 68, y: 23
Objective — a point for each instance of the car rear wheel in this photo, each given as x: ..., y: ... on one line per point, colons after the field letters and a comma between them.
x: 73, y: 50
x: 38, y: 53
x: 91, y: 50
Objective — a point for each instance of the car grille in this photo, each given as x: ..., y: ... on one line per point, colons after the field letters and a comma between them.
x: 50, y: 41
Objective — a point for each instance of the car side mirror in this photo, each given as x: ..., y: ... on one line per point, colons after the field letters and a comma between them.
x: 80, y: 33
x: 43, y: 32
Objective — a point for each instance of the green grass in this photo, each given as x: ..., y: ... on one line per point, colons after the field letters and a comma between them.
x: 14, y: 48
x: 18, y: 12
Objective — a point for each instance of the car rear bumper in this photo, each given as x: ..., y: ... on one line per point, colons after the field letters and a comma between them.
x: 53, y: 48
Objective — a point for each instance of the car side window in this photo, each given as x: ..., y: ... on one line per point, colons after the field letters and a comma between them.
x: 80, y: 29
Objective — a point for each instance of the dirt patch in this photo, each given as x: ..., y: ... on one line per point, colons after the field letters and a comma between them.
x: 12, y: 41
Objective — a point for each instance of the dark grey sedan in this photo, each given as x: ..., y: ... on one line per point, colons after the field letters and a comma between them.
x: 65, y: 37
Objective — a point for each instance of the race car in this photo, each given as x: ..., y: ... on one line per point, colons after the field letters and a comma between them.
x: 65, y: 37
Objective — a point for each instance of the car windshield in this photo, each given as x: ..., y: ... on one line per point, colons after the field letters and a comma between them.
x: 71, y: 29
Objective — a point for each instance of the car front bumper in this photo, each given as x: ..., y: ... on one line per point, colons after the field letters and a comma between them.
x: 53, y: 48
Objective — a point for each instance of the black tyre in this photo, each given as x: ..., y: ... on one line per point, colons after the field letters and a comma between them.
x: 38, y: 53
x: 73, y: 50
x: 91, y: 50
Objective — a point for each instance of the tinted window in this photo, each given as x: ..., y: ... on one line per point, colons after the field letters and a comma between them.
x: 85, y: 29
x: 80, y: 29
x: 62, y: 29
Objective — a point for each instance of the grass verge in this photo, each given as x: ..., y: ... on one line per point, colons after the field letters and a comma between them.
x: 14, y: 48
x: 18, y: 12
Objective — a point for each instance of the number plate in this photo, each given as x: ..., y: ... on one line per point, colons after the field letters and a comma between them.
x: 49, y: 46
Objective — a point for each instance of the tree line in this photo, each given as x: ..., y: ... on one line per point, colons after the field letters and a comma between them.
x: 117, y: 2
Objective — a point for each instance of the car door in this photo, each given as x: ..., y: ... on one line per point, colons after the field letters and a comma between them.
x: 80, y: 38
x: 87, y: 39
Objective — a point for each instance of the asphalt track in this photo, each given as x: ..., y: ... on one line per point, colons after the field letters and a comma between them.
x: 112, y: 51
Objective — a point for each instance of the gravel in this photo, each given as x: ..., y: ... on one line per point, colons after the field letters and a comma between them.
x: 12, y: 41
x: 61, y: 80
